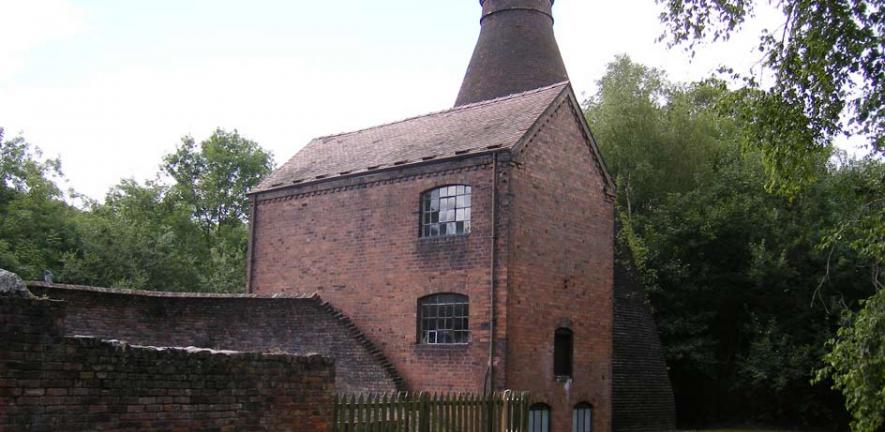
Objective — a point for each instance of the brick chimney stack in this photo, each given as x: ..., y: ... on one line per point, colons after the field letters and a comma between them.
x: 516, y: 51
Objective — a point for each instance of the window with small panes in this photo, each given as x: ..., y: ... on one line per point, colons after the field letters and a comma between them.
x: 445, y: 211
x: 443, y: 319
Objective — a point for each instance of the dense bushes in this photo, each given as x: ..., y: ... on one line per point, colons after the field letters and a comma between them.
x: 746, y: 285
x: 187, y: 234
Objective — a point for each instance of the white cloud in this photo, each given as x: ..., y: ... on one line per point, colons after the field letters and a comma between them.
x: 590, y: 34
x: 27, y: 24
x: 116, y: 112
x: 119, y: 124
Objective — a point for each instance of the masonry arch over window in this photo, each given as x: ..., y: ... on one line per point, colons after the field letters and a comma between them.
x: 582, y: 418
x: 443, y: 319
x: 445, y: 211
x: 563, y: 352
x: 539, y: 417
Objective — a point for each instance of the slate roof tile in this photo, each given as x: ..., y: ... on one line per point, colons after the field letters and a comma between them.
x: 496, y: 123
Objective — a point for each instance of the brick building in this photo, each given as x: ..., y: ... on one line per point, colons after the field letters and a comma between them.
x: 474, y: 246
x: 465, y: 250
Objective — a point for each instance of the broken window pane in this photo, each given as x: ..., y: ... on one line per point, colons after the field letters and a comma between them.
x: 444, y: 206
x: 443, y: 319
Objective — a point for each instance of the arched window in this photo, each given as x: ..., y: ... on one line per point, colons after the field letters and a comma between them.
x: 443, y: 319
x: 582, y: 418
x: 539, y: 418
x: 562, y: 352
x: 445, y: 211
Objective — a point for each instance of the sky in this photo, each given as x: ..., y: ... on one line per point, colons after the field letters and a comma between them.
x: 111, y: 86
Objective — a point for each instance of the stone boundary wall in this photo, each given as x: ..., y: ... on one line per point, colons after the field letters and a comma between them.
x: 240, y: 322
x: 51, y: 382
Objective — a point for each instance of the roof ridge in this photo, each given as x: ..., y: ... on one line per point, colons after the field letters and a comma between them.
x: 449, y: 110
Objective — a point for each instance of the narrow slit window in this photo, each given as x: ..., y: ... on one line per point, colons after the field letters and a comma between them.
x: 562, y: 352
x: 443, y: 319
x: 445, y: 211
x: 539, y: 418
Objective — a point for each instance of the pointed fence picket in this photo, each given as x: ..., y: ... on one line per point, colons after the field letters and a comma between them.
x: 432, y: 412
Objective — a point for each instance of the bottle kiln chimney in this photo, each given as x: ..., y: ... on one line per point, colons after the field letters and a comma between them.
x: 516, y: 51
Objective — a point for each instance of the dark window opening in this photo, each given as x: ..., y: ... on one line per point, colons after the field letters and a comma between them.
x: 443, y: 319
x: 445, y: 211
x: 582, y: 418
x: 539, y: 418
x: 562, y: 352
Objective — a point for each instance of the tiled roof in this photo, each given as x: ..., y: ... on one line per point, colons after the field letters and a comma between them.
x: 496, y: 123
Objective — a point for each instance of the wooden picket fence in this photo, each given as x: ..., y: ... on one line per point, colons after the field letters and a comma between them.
x: 425, y: 412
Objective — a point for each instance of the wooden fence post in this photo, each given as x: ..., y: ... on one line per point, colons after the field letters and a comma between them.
x: 431, y: 412
x: 423, y: 412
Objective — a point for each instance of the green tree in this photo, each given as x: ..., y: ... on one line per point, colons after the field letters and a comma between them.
x: 656, y: 136
x: 136, y: 238
x: 732, y: 271
x: 35, y: 222
x: 214, y: 178
x: 828, y: 70
x: 189, y: 234
x: 826, y: 59
x: 855, y: 363
x: 856, y: 360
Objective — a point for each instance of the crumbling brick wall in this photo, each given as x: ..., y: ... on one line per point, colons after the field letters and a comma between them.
x: 52, y: 382
x: 298, y: 325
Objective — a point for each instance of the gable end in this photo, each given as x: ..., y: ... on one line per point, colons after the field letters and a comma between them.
x: 567, y: 96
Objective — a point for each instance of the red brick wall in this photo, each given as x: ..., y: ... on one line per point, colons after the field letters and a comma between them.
x: 356, y: 243
x: 561, y: 271
x: 230, y: 322
x: 48, y: 382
